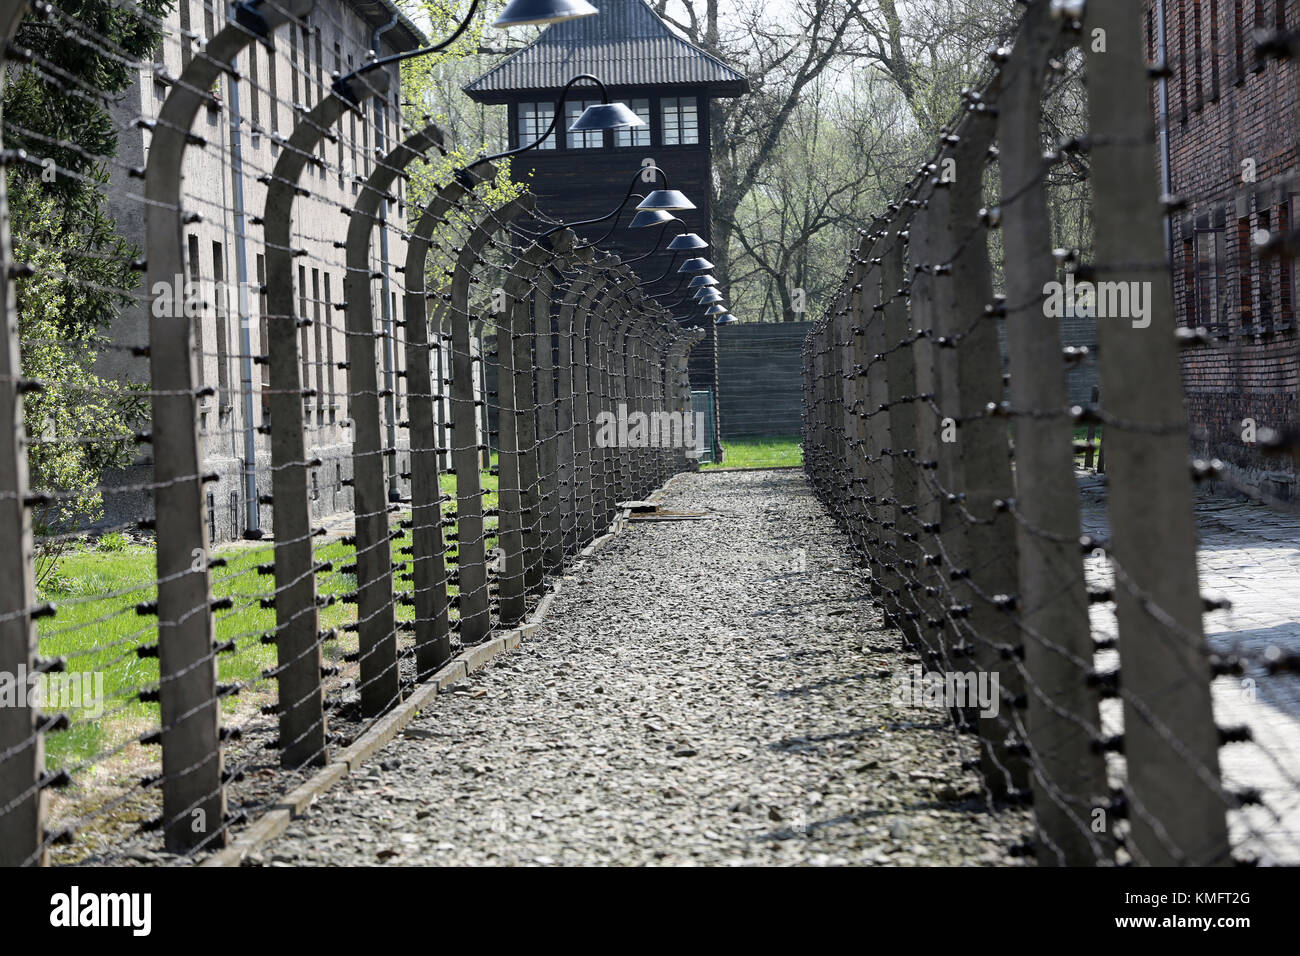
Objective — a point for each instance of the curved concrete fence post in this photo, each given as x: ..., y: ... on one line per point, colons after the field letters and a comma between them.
x: 424, y: 396
x: 380, y: 682
x: 613, y: 311
x: 586, y: 403
x: 569, y: 371
x: 517, y: 444
x: 194, y: 804
x: 1063, y: 721
x: 298, y: 639
x: 1171, y: 743
x: 598, y: 352
x: 545, y: 350
x: 471, y: 543
x: 622, y: 343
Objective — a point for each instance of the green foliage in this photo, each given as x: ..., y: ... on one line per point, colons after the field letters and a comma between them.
x: 81, y: 277
x: 772, y: 451
x: 78, y: 423
x: 113, y: 542
x: 67, y: 121
x: 430, y: 84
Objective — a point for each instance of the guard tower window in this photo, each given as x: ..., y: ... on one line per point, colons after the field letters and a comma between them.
x: 640, y: 136
x: 594, y: 140
x: 533, y: 120
x: 680, y: 121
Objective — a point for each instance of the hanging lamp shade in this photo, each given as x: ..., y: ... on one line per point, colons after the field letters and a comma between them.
x: 701, y: 280
x: 695, y: 265
x: 726, y: 318
x: 709, y: 299
x: 520, y: 12
x: 716, y: 310
x: 687, y: 240
x: 650, y: 217
x: 666, y: 199
x: 607, y: 116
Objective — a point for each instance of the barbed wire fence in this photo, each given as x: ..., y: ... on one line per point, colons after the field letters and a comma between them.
x: 335, y: 391
x: 956, y: 480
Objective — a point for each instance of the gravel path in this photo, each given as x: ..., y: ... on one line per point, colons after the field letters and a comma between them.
x: 713, y: 691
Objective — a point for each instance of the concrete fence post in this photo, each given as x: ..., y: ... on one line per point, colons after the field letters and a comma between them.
x: 923, y: 252
x: 901, y: 422
x: 425, y: 390
x: 380, y: 682
x: 473, y: 600
x: 986, y: 558
x: 880, y: 489
x: 298, y: 639
x: 1175, y: 801
x: 586, y: 405
x: 22, y: 804
x: 571, y: 395
x: 517, y: 445
x: 1062, y: 721
x: 194, y: 803
x: 551, y: 558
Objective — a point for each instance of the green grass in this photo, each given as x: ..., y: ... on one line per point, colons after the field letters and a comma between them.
x: 1081, y: 434
x: 775, y: 451
x: 96, y: 628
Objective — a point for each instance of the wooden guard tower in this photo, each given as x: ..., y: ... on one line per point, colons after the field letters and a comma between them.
x: 671, y: 84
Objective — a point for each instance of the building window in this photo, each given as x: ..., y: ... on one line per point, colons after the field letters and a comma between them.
x: 1198, y: 28
x: 1182, y: 63
x: 1245, y: 276
x: 1265, y: 275
x: 273, y: 99
x: 320, y: 92
x: 223, y: 326
x: 1189, y: 283
x: 1213, y: 53
x: 186, y: 33
x: 293, y: 63
x: 318, y: 328
x: 533, y: 118
x: 594, y: 140
x: 680, y: 121
x: 254, y: 96
x: 1209, y: 259
x: 304, y: 345
x: 264, y: 339
x: 1286, y: 266
x: 329, y: 349
x: 1261, y: 26
x: 640, y: 135
x: 338, y: 68
x: 1239, y: 39
x: 195, y: 291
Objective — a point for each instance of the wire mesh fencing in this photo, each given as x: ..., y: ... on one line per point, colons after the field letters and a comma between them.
x: 1077, y: 657
x: 244, y: 350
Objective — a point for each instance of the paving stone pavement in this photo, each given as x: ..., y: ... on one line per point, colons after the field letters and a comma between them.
x: 1249, y: 554
x: 713, y: 691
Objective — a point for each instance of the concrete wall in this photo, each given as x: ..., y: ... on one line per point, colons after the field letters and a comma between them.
x: 1080, y: 376
x: 760, y: 379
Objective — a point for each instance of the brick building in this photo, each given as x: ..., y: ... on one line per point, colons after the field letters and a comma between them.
x: 1233, y: 124
x: 335, y: 37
